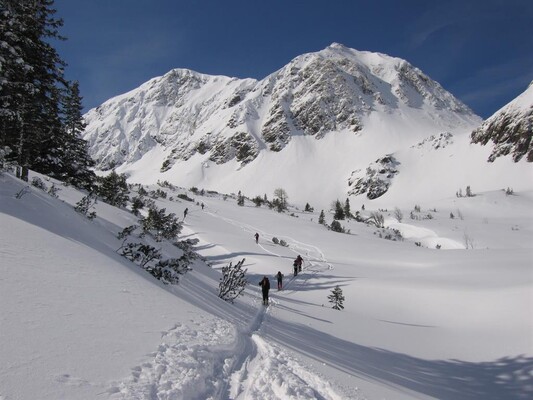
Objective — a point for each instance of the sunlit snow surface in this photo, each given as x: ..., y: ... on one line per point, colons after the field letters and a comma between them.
x: 77, y: 321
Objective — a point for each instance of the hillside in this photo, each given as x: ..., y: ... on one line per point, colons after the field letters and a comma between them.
x: 80, y: 322
x: 329, y: 115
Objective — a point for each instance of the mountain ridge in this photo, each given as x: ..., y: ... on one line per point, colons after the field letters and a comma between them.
x: 319, y: 121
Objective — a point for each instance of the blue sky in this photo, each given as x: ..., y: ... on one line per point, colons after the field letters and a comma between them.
x: 479, y: 50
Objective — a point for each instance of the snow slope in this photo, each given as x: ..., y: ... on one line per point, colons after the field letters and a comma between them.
x: 78, y: 321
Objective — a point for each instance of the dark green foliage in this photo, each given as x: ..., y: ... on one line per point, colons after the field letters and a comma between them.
x: 40, y: 111
x: 183, y: 196
x: 151, y: 260
x: 232, y: 282
x: 113, y: 189
x: 240, y: 199
x: 347, y: 211
x: 337, y: 227
x: 137, y: 203
x: 38, y: 183
x: 322, y: 218
x: 339, y: 211
x: 161, y: 225
x: 139, y: 253
x: 336, y: 298
x: 85, y: 205
x: 258, y: 201
x: 308, y: 208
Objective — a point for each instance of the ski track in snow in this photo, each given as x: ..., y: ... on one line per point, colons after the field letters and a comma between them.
x: 231, y: 364
x: 263, y: 370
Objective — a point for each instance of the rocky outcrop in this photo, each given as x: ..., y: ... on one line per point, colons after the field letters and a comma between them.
x: 510, y: 129
x: 376, y: 179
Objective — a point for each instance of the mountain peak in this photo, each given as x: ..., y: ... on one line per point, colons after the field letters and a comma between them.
x: 188, y: 121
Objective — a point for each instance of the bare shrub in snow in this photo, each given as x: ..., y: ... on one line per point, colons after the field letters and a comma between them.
x: 398, y: 214
x: 468, y: 241
x: 232, y: 282
x: 376, y: 219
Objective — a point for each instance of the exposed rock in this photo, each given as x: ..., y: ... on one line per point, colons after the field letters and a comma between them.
x: 510, y: 129
x: 376, y: 180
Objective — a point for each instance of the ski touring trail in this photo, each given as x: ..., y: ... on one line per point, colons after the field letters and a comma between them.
x: 234, y: 363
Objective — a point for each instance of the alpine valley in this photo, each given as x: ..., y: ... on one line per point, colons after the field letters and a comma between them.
x: 330, y: 124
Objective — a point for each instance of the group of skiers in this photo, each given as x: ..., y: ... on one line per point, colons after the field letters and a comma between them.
x: 265, y: 282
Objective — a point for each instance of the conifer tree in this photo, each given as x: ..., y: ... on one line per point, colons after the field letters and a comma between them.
x: 322, y: 218
x: 337, y: 298
x: 339, y: 211
x: 347, y: 211
x: 32, y: 88
x: 78, y: 163
x: 113, y: 189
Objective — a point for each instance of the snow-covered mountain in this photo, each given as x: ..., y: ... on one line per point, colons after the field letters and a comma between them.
x: 510, y: 129
x: 221, y: 133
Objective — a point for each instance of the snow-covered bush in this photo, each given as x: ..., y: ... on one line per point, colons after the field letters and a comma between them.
x: 275, y: 240
x: 161, y: 225
x: 113, y: 189
x: 85, y: 205
x: 389, y: 234
x: 337, y: 227
x: 232, y: 282
x: 38, y: 183
x: 53, y: 190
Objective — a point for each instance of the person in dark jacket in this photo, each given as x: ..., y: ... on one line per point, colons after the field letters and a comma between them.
x: 299, y: 261
x: 279, y: 276
x: 265, y: 287
x: 295, y: 266
x: 256, y: 237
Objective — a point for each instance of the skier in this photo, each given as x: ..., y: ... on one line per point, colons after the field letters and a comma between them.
x: 279, y: 275
x: 202, y: 206
x: 265, y: 287
x: 299, y: 261
x: 256, y: 237
x: 185, y: 212
x: 295, y: 266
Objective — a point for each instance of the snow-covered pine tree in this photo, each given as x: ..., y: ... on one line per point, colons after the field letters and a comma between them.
x: 322, y: 218
x: 113, y: 189
x: 336, y: 298
x: 233, y: 281
x: 347, y: 211
x: 339, y: 211
x: 77, y: 162
x: 32, y: 89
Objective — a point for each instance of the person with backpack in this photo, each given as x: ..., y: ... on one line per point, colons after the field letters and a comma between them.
x: 265, y: 287
x: 299, y: 261
x: 279, y: 276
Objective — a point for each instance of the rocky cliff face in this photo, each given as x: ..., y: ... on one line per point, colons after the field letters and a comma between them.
x: 510, y: 129
x: 186, y: 114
